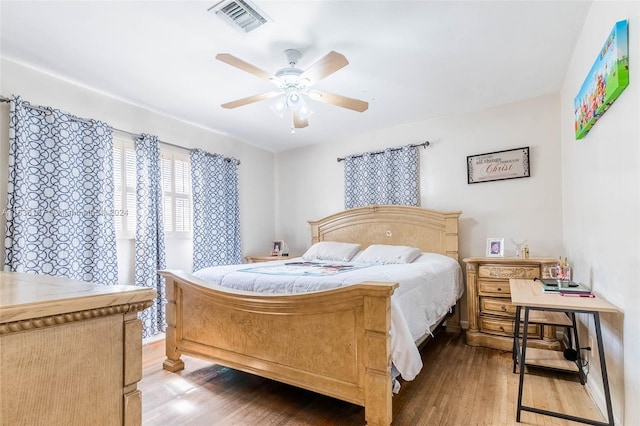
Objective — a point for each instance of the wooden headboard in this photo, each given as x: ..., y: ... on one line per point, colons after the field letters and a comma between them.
x: 429, y: 230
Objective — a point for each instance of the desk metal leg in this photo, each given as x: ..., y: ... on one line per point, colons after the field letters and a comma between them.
x: 603, y: 367
x: 516, y: 336
x: 581, y: 375
x: 523, y: 355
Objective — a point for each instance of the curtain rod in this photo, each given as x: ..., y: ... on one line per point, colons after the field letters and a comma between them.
x: 424, y: 144
x: 135, y: 135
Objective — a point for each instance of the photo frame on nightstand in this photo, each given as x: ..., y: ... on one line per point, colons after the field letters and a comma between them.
x: 495, y: 247
x: 276, y: 247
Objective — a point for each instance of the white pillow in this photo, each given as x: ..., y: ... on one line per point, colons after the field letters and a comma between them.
x: 331, y: 250
x: 386, y: 254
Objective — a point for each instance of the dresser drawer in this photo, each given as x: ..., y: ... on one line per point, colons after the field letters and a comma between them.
x: 494, y: 306
x: 495, y: 287
x: 511, y: 271
x: 505, y: 327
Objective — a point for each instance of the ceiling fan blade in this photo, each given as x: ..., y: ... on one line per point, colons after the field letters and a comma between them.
x: 339, y: 100
x: 324, y: 67
x: 249, y: 100
x: 244, y: 66
x: 299, y: 123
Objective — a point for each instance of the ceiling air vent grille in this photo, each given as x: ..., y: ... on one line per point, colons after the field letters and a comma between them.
x: 240, y: 14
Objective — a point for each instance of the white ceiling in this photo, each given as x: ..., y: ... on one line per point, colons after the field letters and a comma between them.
x: 411, y: 60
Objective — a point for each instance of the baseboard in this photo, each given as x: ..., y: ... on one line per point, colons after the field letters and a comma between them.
x: 153, y: 338
x: 596, y: 393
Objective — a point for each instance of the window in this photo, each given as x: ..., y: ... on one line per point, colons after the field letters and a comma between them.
x: 124, y: 176
x: 176, y: 193
x: 176, y: 190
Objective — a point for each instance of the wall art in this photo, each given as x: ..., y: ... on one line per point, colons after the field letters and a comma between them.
x: 608, y: 77
x: 499, y: 165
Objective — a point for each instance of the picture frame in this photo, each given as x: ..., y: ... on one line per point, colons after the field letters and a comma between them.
x: 495, y: 247
x: 498, y: 165
x: 276, y: 247
x: 607, y: 79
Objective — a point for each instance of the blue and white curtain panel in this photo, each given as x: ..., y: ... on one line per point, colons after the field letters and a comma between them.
x: 216, y: 211
x: 150, y: 245
x: 60, y: 195
x: 389, y: 177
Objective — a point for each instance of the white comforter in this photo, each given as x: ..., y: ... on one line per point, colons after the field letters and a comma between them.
x: 428, y: 288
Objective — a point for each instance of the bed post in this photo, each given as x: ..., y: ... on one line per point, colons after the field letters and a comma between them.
x: 377, y: 392
x: 173, y: 362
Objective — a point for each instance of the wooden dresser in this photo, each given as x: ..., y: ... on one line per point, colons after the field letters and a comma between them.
x: 70, y: 352
x: 491, y: 313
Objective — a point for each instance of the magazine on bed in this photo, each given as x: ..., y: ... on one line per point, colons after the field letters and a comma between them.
x: 305, y: 268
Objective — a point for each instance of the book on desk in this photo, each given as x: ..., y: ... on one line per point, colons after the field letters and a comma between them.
x: 566, y: 288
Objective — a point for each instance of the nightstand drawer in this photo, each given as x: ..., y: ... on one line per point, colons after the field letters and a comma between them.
x: 494, y: 287
x: 511, y: 271
x: 502, y: 307
x: 505, y: 327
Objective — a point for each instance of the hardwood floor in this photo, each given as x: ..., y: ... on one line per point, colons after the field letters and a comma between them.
x: 458, y: 385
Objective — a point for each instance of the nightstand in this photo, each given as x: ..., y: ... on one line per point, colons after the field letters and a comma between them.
x: 490, y: 310
x: 254, y: 259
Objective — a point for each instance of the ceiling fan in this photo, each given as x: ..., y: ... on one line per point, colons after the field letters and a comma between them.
x: 294, y: 85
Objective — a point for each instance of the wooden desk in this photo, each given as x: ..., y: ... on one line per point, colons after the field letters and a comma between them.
x: 528, y: 294
x: 70, y: 352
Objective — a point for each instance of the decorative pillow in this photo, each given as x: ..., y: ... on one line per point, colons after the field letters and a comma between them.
x: 386, y: 254
x: 331, y: 250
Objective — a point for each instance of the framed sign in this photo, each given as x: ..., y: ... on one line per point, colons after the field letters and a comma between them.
x: 499, y: 165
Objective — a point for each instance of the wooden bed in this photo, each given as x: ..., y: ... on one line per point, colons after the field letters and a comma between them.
x: 333, y: 342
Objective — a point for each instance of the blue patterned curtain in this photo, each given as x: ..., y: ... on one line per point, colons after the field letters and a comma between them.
x: 149, y: 246
x: 389, y: 177
x: 216, y: 213
x: 60, y: 195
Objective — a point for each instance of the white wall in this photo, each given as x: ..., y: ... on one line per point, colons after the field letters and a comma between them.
x: 601, y: 205
x: 310, y: 181
x: 310, y: 185
x: 256, y: 178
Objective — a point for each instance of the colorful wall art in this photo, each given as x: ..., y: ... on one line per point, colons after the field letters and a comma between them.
x: 608, y: 77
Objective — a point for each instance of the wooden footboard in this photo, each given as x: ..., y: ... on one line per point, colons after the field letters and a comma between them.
x: 334, y: 342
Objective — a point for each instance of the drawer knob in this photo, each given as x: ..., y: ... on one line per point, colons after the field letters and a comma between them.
x: 499, y: 288
x: 501, y: 328
x: 504, y: 308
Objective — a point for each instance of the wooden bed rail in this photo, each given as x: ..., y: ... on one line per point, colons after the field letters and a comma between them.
x: 333, y: 342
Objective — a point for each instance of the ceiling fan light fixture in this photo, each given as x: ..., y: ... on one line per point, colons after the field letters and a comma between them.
x: 294, y: 100
x: 279, y: 107
x: 304, y: 112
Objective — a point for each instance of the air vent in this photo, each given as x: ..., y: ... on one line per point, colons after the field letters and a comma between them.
x: 240, y: 14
